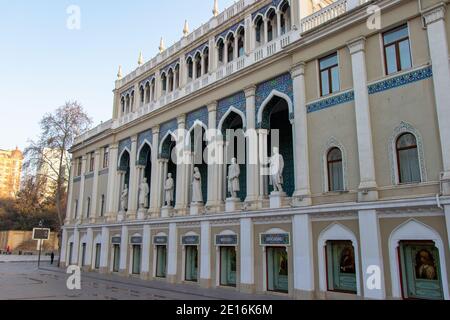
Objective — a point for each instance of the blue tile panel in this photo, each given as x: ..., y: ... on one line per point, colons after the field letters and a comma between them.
x: 330, y: 102
x: 199, y: 114
x: 194, y: 51
x: 232, y: 29
x: 264, y: 9
x: 171, y: 125
x: 146, y: 135
x: 401, y: 80
x: 172, y: 65
x: 148, y: 80
x: 126, y: 143
x: 237, y: 100
x: 126, y: 92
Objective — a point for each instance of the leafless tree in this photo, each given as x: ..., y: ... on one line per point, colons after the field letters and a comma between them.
x: 50, y: 150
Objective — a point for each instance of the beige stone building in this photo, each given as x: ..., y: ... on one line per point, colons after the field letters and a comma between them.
x: 10, y: 171
x: 356, y: 204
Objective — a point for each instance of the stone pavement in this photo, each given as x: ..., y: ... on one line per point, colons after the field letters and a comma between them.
x: 22, y: 258
x: 23, y: 281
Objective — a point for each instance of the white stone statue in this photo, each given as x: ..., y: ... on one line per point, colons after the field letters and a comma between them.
x: 197, y: 196
x: 234, y: 172
x: 276, y: 170
x: 124, y: 199
x: 169, y: 187
x: 144, y: 190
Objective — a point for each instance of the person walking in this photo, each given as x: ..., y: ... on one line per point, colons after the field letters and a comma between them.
x: 52, y: 258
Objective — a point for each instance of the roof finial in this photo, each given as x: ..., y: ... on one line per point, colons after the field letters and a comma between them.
x: 119, y: 73
x: 162, y: 47
x: 216, y: 8
x: 186, y: 28
x: 140, y: 59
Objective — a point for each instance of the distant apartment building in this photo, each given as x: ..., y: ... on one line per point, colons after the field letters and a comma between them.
x: 10, y: 170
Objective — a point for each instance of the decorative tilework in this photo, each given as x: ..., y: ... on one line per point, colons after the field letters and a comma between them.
x: 281, y: 84
x: 172, y: 65
x: 147, y: 80
x: 232, y: 29
x: 127, y: 92
x: 401, y: 80
x: 330, y: 102
x: 264, y: 9
x: 146, y: 135
x: 237, y: 100
x: 198, y: 49
x: 199, y: 114
x: 124, y: 144
x: 166, y: 127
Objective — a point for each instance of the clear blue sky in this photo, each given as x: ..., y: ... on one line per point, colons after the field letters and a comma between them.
x: 43, y: 63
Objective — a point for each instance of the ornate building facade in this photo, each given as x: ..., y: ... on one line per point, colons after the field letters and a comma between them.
x: 10, y: 171
x: 359, y: 206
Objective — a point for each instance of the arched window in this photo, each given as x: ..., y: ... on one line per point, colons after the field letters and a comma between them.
x: 122, y: 103
x: 190, y: 68
x: 164, y: 82
x: 153, y: 90
x: 285, y: 17
x: 170, y: 80
x: 335, y: 173
x: 198, y: 65
x: 408, y: 159
x: 142, y: 95
x: 259, y: 29
x: 220, y: 50
x: 206, y: 59
x: 176, y: 82
x: 241, y: 38
x: 230, y: 48
x: 147, y: 93
x: 271, y: 24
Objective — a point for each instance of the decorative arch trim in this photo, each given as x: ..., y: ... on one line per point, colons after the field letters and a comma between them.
x: 231, y: 110
x: 265, y: 103
x: 334, y: 143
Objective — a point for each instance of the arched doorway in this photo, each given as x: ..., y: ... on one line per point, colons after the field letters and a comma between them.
x: 168, y: 153
x: 124, y: 171
x: 232, y: 128
x: 198, y: 146
x: 145, y: 161
x: 275, y: 117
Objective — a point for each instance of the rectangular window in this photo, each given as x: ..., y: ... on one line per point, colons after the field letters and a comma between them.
x: 88, y: 209
x: 70, y: 253
x: 83, y: 254
x: 161, y: 261
x: 98, y: 250
x: 397, y: 51
x: 136, y: 259
x: 191, y: 267
x: 91, y: 162
x: 277, y: 269
x: 420, y: 270
x: 105, y: 158
x: 102, y: 207
x: 79, y: 162
x: 228, y: 266
x: 341, y: 268
x: 329, y: 75
x: 116, y: 258
x: 76, y: 209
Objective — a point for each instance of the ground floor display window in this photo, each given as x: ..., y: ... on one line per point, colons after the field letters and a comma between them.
x: 98, y: 250
x: 161, y: 261
x: 228, y: 266
x: 136, y: 265
x: 191, y: 263
x: 83, y: 254
x: 420, y: 270
x: 341, y: 266
x: 116, y: 258
x: 70, y: 253
x: 277, y: 269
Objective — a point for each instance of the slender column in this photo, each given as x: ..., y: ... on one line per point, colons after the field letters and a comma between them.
x: 94, y: 199
x: 81, y: 195
x: 104, y: 254
x: 89, y: 241
x: 205, y: 254
x: 235, y: 49
x: 70, y: 195
x: 158, y: 86
x: 262, y: 148
x: 278, y: 23
x: 194, y: 68
x: 212, y: 55
x: 266, y: 30
x: 202, y: 66
x: 438, y: 45
x: 62, y: 255
x: 146, y: 248
x: 76, y: 246
x: 371, y: 255
x: 249, y: 35
x: 302, y: 194
x: 368, y: 183
x: 112, y: 177
x: 156, y: 182
x: 225, y: 52
x: 124, y: 251
x: 134, y: 180
x: 247, y: 256
x: 252, y: 149
x: 182, y: 185
x: 303, y: 256
x: 172, y: 254
x: 213, y: 165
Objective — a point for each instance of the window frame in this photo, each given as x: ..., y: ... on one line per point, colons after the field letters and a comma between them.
x: 397, y: 49
x: 341, y: 160
x: 330, y: 74
x: 397, y: 153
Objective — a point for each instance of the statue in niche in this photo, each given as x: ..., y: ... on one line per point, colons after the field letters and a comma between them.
x: 144, y: 190
x: 197, y: 196
x: 276, y: 170
x: 234, y: 172
x: 169, y: 187
x: 124, y: 199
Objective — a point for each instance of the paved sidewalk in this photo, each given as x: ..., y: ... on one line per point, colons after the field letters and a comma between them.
x: 5, y: 258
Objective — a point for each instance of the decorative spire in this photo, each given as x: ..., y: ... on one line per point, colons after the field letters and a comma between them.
x: 216, y: 8
x: 162, y: 47
x: 186, y: 28
x: 140, y: 59
x: 119, y: 73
